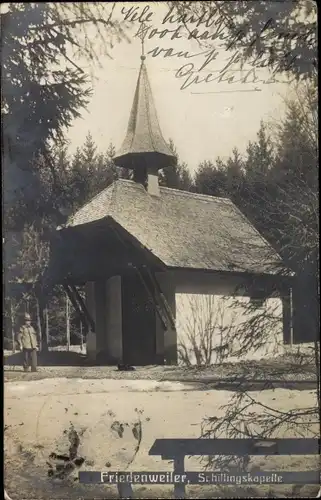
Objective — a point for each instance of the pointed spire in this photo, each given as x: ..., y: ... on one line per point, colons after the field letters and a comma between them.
x: 144, y: 145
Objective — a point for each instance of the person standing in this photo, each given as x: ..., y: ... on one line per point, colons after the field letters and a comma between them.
x: 28, y: 343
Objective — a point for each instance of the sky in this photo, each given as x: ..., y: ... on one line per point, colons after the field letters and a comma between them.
x: 204, y: 120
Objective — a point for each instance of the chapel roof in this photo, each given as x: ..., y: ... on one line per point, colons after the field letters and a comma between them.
x: 183, y: 229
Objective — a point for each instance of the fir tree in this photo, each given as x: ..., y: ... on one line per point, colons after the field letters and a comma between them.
x: 176, y: 176
x: 89, y: 152
x: 43, y: 89
x: 211, y: 178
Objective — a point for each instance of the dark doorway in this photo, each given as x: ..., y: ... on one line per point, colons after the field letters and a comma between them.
x: 139, y: 323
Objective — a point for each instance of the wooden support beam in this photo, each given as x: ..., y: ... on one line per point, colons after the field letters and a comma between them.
x: 67, y: 322
x: 81, y: 337
x: 161, y: 297
x: 179, y: 488
x: 12, y: 322
x: 77, y: 307
x: 152, y: 296
x: 47, y: 324
x: 83, y: 307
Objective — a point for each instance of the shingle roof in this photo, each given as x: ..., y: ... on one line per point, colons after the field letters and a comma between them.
x: 144, y: 136
x: 184, y: 229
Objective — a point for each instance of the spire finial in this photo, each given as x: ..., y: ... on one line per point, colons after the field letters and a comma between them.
x: 142, y: 37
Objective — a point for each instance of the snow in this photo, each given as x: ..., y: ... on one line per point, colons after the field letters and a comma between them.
x: 39, y: 412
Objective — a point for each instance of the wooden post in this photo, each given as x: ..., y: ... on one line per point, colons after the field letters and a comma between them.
x: 47, y: 325
x: 81, y: 337
x: 179, y: 488
x: 41, y: 302
x: 39, y: 325
x: 12, y: 328
x: 125, y: 490
x: 287, y: 318
x: 67, y: 323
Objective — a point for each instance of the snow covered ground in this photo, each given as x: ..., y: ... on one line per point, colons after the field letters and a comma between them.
x: 39, y: 413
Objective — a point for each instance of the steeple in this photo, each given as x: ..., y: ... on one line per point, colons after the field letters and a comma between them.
x: 144, y: 149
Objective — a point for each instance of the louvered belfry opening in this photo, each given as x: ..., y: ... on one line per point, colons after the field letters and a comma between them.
x: 144, y: 149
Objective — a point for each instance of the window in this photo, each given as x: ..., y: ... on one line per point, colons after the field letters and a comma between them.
x: 258, y: 297
x: 257, y: 302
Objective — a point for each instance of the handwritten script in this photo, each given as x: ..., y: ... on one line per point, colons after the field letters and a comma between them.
x: 207, y: 28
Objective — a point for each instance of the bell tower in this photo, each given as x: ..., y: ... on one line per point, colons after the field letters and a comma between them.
x: 144, y: 149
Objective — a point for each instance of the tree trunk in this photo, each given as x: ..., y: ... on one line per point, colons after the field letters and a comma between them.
x: 42, y: 324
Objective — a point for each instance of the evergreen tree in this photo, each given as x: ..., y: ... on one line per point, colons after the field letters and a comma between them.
x: 295, y: 176
x: 78, y: 180
x: 43, y: 89
x: 39, y: 100
x: 90, y: 172
x: 235, y: 176
x: 117, y: 172
x: 105, y: 173
x: 176, y: 176
x: 260, y: 157
x: 211, y: 178
x: 89, y: 152
x: 257, y: 188
x: 283, y: 202
x: 297, y: 143
x: 77, y: 159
